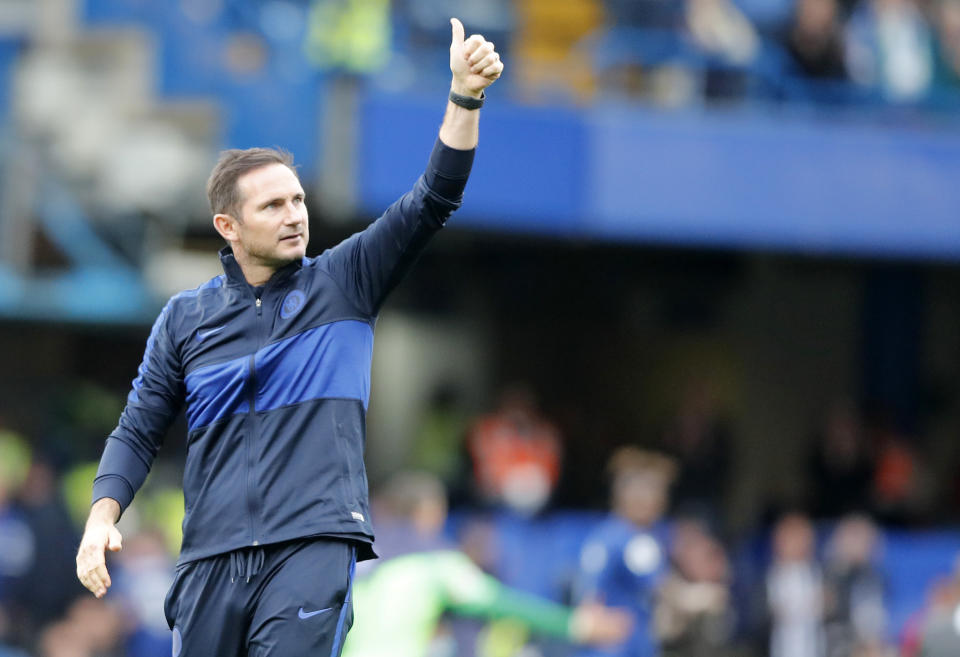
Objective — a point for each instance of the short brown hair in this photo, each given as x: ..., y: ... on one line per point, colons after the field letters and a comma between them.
x: 222, y: 189
x: 629, y: 461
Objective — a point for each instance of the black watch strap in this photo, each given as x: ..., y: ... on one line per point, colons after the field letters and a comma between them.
x: 467, y: 102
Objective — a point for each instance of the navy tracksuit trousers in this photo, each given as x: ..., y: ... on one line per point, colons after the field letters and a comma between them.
x: 289, y: 599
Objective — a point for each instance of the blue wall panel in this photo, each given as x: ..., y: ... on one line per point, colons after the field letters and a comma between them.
x: 787, y: 183
x: 528, y: 174
x: 737, y: 179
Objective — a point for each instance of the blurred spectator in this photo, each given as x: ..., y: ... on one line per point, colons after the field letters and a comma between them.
x: 640, y: 50
x: 889, y: 48
x: 934, y: 631
x: 947, y: 23
x: 644, y: 13
x: 438, y: 447
x: 516, y: 454
x: 143, y: 573
x: 721, y: 30
x: 92, y: 628
x: 398, y: 604
x: 694, y: 616
x: 349, y: 35
x: 855, y: 614
x: 901, y: 491
x: 699, y: 439
x: 18, y: 545
x: 814, y: 39
x: 841, y: 466
x: 941, y: 631
x: 795, y: 591
x: 49, y: 583
x: 428, y: 20
x: 623, y: 560
x: 410, y: 513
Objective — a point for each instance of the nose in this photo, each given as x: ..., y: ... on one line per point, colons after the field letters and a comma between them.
x: 295, y: 213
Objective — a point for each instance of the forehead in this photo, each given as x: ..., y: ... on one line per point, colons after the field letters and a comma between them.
x: 268, y: 182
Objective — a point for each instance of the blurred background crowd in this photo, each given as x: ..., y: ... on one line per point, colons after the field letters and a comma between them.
x: 691, y: 348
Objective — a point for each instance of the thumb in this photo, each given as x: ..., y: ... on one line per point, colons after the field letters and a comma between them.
x: 457, y: 32
x: 114, y: 540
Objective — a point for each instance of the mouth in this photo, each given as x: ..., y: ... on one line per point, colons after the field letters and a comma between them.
x: 291, y: 238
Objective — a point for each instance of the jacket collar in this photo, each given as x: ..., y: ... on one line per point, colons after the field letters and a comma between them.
x: 235, y: 274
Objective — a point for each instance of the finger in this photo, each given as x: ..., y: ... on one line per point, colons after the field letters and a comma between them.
x: 98, y: 581
x: 493, y: 71
x: 91, y: 569
x: 104, y: 577
x: 115, y: 540
x: 457, y: 27
x: 91, y: 580
x: 482, y: 51
x: 485, y: 62
x: 472, y: 44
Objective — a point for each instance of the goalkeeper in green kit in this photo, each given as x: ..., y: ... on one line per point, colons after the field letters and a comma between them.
x: 400, y: 603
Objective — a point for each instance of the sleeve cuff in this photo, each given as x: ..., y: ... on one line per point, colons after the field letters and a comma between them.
x: 115, y: 487
x: 448, y: 170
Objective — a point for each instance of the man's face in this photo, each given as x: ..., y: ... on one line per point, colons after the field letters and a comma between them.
x: 641, y: 498
x: 272, y: 227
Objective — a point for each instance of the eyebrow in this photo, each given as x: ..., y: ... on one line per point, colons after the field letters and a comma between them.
x: 269, y: 202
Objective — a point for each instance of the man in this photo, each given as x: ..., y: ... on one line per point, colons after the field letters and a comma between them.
x: 273, y: 362
x: 402, y: 601
x: 624, y: 558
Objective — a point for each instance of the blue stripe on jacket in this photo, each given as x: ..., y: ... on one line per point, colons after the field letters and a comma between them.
x: 329, y: 361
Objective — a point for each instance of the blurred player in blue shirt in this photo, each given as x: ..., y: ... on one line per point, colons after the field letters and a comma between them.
x: 624, y: 558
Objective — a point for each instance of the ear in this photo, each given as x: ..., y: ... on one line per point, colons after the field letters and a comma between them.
x: 226, y: 225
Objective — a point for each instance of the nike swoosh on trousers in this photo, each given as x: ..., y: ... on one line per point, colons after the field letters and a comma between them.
x: 307, y: 614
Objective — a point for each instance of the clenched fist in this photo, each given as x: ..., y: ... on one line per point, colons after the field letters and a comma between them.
x: 474, y: 62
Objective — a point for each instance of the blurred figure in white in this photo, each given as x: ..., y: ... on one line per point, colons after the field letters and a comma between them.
x: 795, y: 591
x: 935, y: 631
x: 890, y: 48
x: 721, y: 29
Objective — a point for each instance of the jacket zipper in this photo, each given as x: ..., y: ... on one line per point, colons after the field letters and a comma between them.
x: 252, y: 506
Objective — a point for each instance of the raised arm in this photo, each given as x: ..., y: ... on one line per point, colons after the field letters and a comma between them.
x: 368, y: 265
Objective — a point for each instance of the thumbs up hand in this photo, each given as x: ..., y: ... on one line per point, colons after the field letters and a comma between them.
x: 474, y: 62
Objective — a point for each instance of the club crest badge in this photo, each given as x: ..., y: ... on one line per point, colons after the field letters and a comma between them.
x: 292, y: 303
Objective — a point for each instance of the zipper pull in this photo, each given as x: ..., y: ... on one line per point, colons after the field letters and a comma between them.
x: 259, y: 304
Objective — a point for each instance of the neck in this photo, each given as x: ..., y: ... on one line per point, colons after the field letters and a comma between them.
x: 256, y: 273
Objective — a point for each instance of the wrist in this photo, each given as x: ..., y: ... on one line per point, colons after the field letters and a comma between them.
x: 458, y: 88
x: 104, y: 510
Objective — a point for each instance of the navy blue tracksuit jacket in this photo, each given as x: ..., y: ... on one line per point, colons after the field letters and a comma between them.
x: 276, y: 382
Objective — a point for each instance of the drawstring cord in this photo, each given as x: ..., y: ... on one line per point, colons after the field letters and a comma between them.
x: 246, y: 563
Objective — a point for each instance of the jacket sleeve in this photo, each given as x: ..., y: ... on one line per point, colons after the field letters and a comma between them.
x: 369, y: 265
x: 152, y: 405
